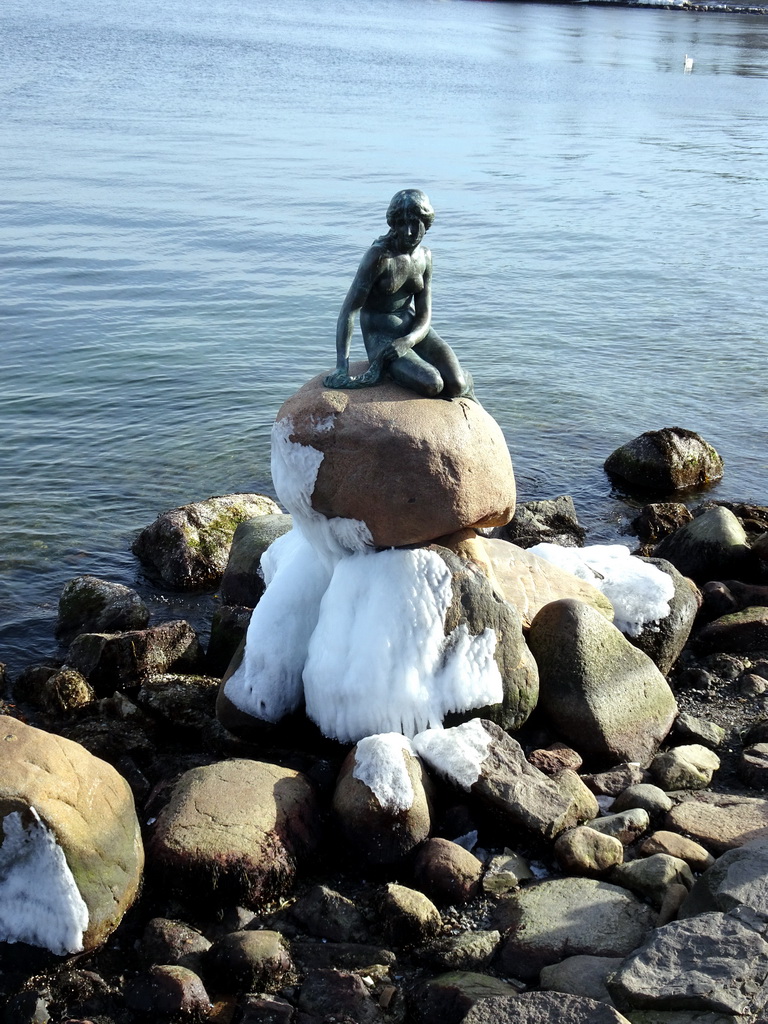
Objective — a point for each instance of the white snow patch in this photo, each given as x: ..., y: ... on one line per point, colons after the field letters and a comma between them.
x: 639, y: 592
x: 39, y: 900
x: 294, y: 472
x: 267, y: 684
x: 380, y: 764
x: 457, y: 754
x: 379, y: 660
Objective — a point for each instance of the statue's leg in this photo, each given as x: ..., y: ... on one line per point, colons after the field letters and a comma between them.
x: 416, y: 374
x: 440, y: 355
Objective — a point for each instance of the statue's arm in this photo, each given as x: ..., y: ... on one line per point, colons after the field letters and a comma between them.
x: 358, y: 292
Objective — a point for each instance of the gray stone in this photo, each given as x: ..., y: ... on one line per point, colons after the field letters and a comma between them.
x: 700, y: 730
x: 467, y: 951
x: 617, y: 779
x: 709, y: 962
x: 738, y: 878
x: 553, y: 521
x: 720, y: 821
x: 581, y: 976
x: 585, y: 851
x: 242, y: 583
x: 682, y: 1017
x: 448, y: 998
x: 737, y: 633
x: 651, y: 877
x: 543, y: 1008
x: 714, y: 546
x: 236, y: 830
x: 663, y: 641
x: 166, y: 941
x: 505, y: 871
x: 188, y: 547
x: 90, y: 605
x: 329, y: 915
x: 337, y: 995
x: 625, y: 826
x: 565, y: 917
x: 248, y: 961
x: 666, y: 460
x: 605, y: 696
x: 650, y: 798
x: 695, y: 856
x: 688, y: 767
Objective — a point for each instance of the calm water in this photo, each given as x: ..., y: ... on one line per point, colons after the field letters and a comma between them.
x: 187, y: 189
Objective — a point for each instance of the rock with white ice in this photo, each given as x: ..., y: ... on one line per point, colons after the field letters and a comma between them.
x: 71, y: 856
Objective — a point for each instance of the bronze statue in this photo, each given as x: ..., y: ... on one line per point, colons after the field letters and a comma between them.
x: 392, y: 291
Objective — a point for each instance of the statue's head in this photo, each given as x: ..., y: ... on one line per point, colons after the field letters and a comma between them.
x: 411, y: 201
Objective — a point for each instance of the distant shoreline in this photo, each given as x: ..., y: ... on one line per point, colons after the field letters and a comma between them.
x: 716, y: 6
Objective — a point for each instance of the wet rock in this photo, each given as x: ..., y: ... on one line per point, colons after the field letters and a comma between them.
x: 663, y: 641
x: 504, y: 782
x: 385, y: 823
x: 188, y: 547
x: 229, y: 626
x: 670, y: 459
x: 720, y: 821
x: 543, y: 1008
x: 408, y: 918
x: 329, y: 915
x: 625, y: 826
x: 753, y: 766
x: 121, y: 660
x: 529, y: 582
x: 338, y: 995
x: 688, y: 767
x: 648, y: 797
x: 467, y: 951
x: 169, y: 989
x: 738, y: 633
x: 581, y: 976
x: 72, y: 844
x: 242, y: 583
x: 248, y: 961
x: 651, y: 877
x: 448, y: 998
x: 446, y: 872
x: 659, y: 519
x: 236, y: 831
x: 565, y: 917
x: 91, y: 605
x: 184, y: 704
x: 713, y: 546
x: 113, y: 728
x: 709, y: 962
x: 166, y: 941
x: 422, y: 469
x: 739, y: 878
x: 553, y: 521
x: 260, y: 1008
x: 59, y: 692
x: 695, y: 856
x: 699, y: 730
x: 585, y: 851
x: 554, y: 758
x: 605, y: 696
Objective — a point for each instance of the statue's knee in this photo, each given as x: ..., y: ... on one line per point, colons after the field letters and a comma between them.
x: 433, y: 388
x: 454, y: 387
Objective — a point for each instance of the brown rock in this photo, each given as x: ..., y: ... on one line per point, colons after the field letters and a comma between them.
x: 737, y: 633
x: 694, y: 855
x: 554, y: 758
x: 447, y: 872
x: 248, y: 961
x: 720, y: 821
x: 585, y: 851
x: 412, y: 469
x: 408, y: 917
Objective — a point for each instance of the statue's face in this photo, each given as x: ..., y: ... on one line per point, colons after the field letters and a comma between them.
x: 408, y: 229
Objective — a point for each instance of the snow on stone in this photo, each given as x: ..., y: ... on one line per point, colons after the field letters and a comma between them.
x: 380, y: 763
x: 268, y: 683
x: 39, y: 900
x: 457, y: 754
x: 294, y: 472
x: 639, y: 592
x: 379, y: 660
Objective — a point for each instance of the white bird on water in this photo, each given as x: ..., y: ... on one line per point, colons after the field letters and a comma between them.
x: 688, y: 63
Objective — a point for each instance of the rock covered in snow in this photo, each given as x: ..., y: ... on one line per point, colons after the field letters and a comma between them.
x: 380, y: 801
x: 480, y: 757
x: 188, y: 547
x: 664, y: 639
x: 604, y: 696
x: 410, y: 469
x: 236, y: 830
x: 71, y: 857
x: 666, y: 460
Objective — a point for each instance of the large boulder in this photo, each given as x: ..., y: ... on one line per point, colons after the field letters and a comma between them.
x: 713, y: 546
x: 71, y: 858
x: 188, y: 547
x: 410, y: 469
x: 236, y: 830
x: 243, y: 583
x: 605, y: 696
x: 738, y: 878
x: 91, y: 605
x: 666, y: 460
x: 663, y: 641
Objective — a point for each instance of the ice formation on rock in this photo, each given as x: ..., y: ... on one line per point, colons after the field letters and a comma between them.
x: 39, y: 900
x: 639, y: 592
x: 380, y: 764
x: 457, y: 754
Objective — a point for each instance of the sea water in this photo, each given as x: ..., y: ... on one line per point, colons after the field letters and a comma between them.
x: 187, y: 189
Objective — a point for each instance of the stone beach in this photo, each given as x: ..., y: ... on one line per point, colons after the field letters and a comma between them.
x: 590, y: 846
